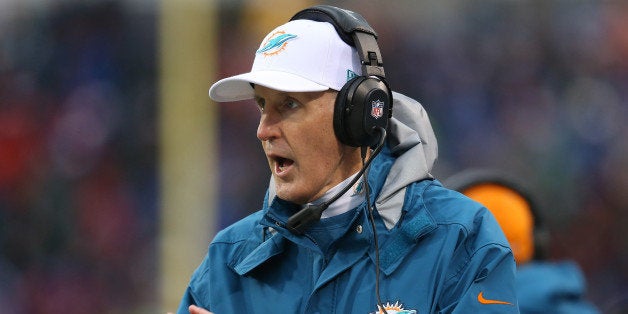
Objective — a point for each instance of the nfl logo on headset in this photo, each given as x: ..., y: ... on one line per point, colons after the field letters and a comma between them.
x: 377, y: 109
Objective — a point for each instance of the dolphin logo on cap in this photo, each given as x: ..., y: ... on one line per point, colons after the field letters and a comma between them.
x: 275, y: 43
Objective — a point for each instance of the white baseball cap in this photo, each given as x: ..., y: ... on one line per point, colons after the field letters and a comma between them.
x: 299, y: 56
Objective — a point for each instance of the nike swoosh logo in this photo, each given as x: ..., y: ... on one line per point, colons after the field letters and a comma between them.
x: 482, y: 300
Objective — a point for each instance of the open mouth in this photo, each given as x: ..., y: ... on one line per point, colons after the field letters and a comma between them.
x: 282, y: 164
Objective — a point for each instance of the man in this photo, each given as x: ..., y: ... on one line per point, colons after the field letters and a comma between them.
x: 323, y: 241
x: 543, y: 286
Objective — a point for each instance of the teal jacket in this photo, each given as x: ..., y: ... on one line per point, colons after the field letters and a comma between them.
x: 552, y: 287
x: 440, y: 252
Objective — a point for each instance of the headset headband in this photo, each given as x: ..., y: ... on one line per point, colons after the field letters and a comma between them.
x: 352, y: 29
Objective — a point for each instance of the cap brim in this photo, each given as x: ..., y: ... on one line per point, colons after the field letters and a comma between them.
x: 239, y: 87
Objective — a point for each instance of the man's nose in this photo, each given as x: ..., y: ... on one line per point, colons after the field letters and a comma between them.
x: 268, y: 127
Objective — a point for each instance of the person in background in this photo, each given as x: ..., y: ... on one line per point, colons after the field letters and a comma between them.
x: 353, y: 220
x: 543, y: 286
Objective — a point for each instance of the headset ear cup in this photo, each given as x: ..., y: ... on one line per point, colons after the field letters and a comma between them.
x: 343, y: 109
x: 363, y: 105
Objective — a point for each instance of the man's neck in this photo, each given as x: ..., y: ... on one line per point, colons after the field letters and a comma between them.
x: 351, y: 199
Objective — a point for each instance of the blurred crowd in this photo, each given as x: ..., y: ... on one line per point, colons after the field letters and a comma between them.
x: 77, y: 158
x: 536, y: 88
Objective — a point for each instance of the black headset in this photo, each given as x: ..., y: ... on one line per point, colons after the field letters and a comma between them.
x: 473, y: 177
x: 364, y: 104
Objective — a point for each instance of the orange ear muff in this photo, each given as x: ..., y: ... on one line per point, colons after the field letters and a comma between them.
x: 513, y: 213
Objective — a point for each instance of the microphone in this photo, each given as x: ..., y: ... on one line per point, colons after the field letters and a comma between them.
x: 310, y: 214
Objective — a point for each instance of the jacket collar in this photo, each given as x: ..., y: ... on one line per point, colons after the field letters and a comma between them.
x: 416, y: 224
x: 401, y: 241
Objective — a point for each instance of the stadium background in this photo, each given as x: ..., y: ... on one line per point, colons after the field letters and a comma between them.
x: 536, y: 88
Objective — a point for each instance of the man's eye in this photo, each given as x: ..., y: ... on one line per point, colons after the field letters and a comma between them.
x: 291, y: 104
x: 260, y: 104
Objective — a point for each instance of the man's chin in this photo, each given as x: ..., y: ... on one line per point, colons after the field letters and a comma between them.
x: 286, y: 194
